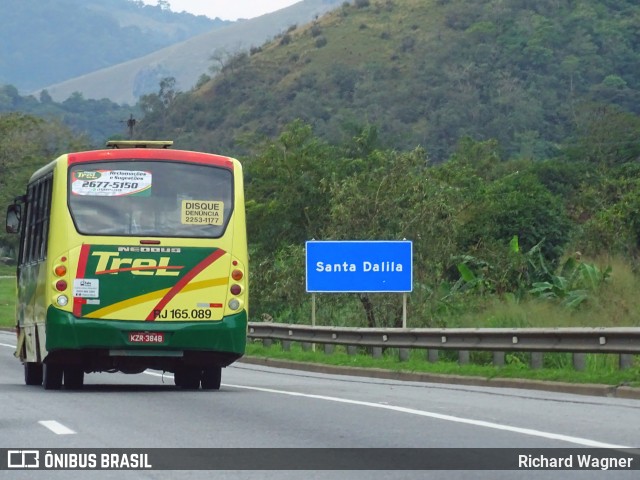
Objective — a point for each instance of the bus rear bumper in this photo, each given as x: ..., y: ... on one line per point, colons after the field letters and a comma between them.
x: 155, y: 344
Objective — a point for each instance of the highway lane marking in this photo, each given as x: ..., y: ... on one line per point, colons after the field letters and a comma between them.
x: 56, y: 427
x: 439, y: 416
x: 7, y: 345
x: 423, y: 413
x: 450, y: 418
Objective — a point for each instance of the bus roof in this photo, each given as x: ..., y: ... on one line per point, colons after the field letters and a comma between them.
x: 143, y: 153
x: 139, y: 143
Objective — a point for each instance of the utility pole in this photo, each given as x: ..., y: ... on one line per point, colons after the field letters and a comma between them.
x: 131, y: 123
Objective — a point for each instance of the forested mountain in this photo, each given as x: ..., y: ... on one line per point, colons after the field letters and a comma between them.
x: 501, y: 136
x: 97, y: 120
x: 189, y: 60
x: 425, y: 72
x: 47, y: 41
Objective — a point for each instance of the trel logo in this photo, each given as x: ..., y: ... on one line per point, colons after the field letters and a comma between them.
x: 113, y: 263
x: 88, y: 175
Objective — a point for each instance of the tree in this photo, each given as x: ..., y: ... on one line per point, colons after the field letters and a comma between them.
x: 606, y: 136
x: 287, y: 188
x: 26, y: 144
x: 156, y: 106
x: 287, y: 204
x: 393, y: 196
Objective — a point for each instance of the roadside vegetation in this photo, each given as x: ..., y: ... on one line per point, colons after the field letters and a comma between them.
x: 7, y: 299
x: 523, y: 203
x: 600, y: 369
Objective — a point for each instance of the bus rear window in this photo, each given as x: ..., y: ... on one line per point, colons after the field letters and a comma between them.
x: 150, y: 198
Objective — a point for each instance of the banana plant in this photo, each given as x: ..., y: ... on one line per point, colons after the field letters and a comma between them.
x: 572, y: 287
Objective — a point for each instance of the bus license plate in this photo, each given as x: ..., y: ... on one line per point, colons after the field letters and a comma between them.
x: 146, y: 337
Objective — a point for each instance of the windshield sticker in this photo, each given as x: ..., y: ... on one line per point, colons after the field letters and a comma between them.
x: 201, y: 212
x: 111, y: 183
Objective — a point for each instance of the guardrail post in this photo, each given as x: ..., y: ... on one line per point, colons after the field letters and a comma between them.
x: 286, y: 345
x: 626, y: 361
x: 306, y: 346
x: 433, y: 356
x: 352, y: 350
x: 537, y: 360
x: 267, y: 342
x: 463, y: 357
x: 376, y: 352
x: 328, y: 348
x: 579, y: 361
x: 403, y: 354
x: 498, y: 359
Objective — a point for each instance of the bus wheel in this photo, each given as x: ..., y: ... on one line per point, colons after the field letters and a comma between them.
x: 52, y: 376
x: 32, y: 373
x: 187, y: 378
x: 73, y: 377
x: 211, y: 378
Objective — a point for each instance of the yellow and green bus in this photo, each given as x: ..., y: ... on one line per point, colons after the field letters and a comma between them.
x: 131, y: 258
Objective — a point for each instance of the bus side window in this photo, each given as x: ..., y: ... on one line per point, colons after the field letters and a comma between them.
x: 37, y: 217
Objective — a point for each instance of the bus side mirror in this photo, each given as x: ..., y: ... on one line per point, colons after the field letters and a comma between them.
x: 14, y: 214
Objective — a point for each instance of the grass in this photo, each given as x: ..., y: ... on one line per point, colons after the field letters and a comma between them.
x: 7, y: 270
x: 615, y: 304
x: 600, y: 368
x: 7, y: 296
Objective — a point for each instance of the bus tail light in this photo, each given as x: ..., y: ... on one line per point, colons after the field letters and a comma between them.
x: 235, y: 289
x: 61, y: 285
x: 62, y: 300
x: 237, y: 275
x: 60, y: 271
x: 234, y: 304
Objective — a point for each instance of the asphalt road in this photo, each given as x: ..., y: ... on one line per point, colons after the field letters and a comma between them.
x: 262, y: 407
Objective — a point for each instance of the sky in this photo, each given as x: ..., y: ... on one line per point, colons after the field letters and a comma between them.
x: 227, y: 9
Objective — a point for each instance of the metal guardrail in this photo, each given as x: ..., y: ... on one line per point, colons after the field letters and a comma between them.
x: 573, y: 340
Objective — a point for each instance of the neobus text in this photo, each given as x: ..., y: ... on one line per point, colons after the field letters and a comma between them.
x: 150, y: 249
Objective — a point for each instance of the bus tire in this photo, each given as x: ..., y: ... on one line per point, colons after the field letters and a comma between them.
x: 32, y: 373
x: 211, y: 378
x: 177, y: 377
x: 52, y: 376
x: 73, y: 378
x: 187, y: 378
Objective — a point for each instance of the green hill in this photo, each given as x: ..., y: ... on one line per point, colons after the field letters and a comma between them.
x: 48, y: 41
x: 188, y: 60
x: 424, y: 72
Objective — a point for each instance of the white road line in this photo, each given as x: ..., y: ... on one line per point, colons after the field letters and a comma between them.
x: 7, y: 345
x: 56, y: 427
x: 449, y: 418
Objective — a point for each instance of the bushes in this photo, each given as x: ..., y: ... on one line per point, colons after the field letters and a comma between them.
x: 484, y: 230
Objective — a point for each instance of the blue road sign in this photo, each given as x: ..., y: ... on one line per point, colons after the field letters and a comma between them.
x: 352, y: 266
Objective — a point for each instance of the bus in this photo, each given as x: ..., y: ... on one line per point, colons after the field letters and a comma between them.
x: 130, y: 258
